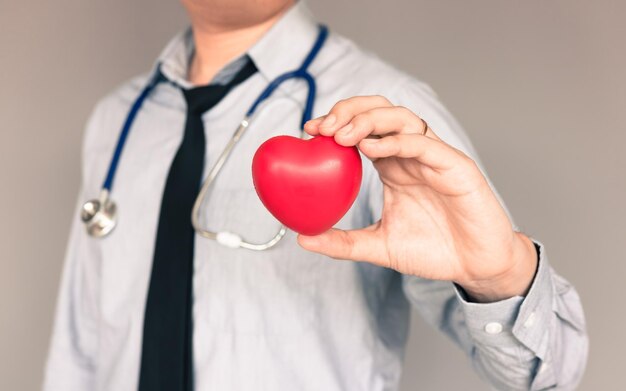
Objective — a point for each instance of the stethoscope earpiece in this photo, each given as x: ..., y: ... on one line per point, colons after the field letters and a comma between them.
x: 99, y: 215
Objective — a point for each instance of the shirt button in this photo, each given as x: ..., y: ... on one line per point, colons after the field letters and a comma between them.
x: 530, y: 321
x: 493, y: 328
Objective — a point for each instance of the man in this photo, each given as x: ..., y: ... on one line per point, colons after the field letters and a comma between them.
x: 152, y: 307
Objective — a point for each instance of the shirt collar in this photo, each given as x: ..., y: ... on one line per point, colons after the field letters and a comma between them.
x: 174, y: 59
x: 286, y: 44
x: 281, y: 49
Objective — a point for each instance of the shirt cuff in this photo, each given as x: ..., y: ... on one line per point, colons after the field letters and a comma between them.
x: 507, y: 323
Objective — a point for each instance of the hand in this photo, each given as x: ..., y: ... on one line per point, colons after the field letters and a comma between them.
x: 440, y: 218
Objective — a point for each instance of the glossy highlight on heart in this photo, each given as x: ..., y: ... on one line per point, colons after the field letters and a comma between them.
x: 308, y: 185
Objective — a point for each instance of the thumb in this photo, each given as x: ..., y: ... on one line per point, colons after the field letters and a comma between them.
x: 356, y: 245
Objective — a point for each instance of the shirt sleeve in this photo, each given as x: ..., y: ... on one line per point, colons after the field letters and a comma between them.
x: 535, y: 342
x: 71, y: 361
x: 544, y: 334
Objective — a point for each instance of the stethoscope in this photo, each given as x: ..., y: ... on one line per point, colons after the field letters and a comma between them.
x: 100, y: 215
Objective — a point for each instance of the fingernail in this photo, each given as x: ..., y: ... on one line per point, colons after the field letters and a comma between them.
x: 329, y: 120
x: 314, y: 121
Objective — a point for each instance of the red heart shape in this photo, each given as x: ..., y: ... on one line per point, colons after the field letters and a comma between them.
x: 308, y: 185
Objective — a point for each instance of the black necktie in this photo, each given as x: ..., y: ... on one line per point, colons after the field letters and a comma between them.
x: 166, y: 357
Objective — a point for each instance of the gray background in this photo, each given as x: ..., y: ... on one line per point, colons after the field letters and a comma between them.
x: 538, y: 84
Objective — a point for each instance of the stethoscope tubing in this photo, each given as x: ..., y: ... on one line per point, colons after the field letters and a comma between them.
x: 300, y: 73
x: 128, y: 123
x: 92, y: 217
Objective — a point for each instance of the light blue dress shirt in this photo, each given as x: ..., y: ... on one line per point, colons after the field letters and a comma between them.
x: 283, y: 319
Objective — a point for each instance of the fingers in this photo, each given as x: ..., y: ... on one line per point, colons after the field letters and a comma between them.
x: 355, y: 245
x: 433, y: 153
x: 382, y: 130
x: 354, y: 119
x: 343, y: 112
x: 311, y: 125
x: 379, y: 122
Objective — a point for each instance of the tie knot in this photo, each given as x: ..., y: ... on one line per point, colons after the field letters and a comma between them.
x: 202, y: 99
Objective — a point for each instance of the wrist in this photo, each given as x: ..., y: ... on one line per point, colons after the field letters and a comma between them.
x: 516, y: 281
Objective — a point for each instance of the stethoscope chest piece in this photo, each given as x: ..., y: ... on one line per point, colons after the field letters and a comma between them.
x: 99, y: 215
